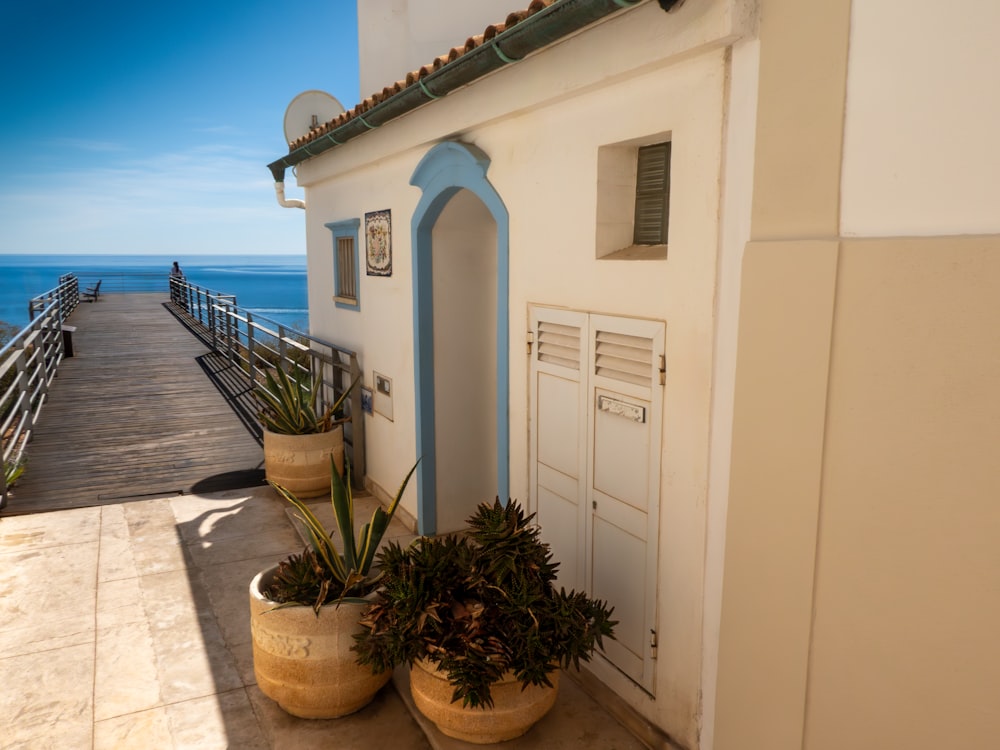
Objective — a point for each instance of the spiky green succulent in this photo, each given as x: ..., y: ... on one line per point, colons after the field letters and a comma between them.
x: 300, y: 579
x: 12, y: 471
x: 290, y: 403
x: 479, y: 606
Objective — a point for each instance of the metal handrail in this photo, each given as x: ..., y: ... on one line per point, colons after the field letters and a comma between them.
x: 28, y: 365
x: 66, y: 295
x: 124, y: 281
x: 254, y: 343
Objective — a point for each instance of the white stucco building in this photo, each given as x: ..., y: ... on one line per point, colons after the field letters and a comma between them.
x: 692, y: 395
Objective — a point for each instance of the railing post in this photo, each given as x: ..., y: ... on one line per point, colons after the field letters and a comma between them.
x: 60, y: 293
x: 232, y: 328
x: 283, y: 350
x: 230, y: 325
x: 222, y: 325
x: 357, y: 427
x: 24, y: 386
x: 251, y: 354
x: 212, y: 302
x: 49, y: 325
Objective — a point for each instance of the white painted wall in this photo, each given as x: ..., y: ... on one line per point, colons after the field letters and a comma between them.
x: 381, y: 330
x: 464, y: 270
x: 542, y: 122
x: 921, y: 153
x: 553, y: 241
x: 397, y: 36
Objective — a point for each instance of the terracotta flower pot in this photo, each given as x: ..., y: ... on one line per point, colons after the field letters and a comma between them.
x: 305, y: 662
x: 514, y: 710
x: 301, y: 463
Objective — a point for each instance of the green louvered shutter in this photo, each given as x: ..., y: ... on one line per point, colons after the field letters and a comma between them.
x: 652, y: 195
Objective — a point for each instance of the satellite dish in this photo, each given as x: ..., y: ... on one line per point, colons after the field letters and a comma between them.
x: 309, y: 110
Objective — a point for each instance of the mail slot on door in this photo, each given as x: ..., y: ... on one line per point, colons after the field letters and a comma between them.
x: 622, y: 409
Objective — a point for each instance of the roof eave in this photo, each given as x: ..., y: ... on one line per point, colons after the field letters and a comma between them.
x: 535, y: 32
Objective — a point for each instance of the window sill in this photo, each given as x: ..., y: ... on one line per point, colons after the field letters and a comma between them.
x: 638, y: 252
x: 347, y: 303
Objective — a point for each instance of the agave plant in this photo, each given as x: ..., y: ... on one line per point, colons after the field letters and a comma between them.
x: 343, y: 575
x: 289, y: 403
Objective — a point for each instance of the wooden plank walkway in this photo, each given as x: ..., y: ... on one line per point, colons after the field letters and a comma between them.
x: 134, y: 415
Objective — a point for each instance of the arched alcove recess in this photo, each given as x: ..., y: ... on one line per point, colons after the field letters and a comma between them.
x: 474, y: 232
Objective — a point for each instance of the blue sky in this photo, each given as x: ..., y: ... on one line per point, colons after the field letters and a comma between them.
x: 147, y: 127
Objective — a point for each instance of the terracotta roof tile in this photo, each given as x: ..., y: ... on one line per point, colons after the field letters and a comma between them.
x: 413, y: 77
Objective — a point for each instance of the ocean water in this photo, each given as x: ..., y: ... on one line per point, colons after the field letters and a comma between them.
x: 273, y: 286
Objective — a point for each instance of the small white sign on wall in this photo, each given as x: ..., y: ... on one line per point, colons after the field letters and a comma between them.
x: 382, y: 395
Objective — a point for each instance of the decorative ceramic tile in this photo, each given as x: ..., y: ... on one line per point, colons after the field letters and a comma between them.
x: 378, y: 241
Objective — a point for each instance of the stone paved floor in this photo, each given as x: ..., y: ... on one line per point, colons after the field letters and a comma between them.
x: 127, y: 626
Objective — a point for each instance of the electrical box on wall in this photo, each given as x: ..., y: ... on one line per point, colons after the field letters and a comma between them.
x: 382, y: 395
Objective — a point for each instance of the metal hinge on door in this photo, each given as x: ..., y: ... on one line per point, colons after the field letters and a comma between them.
x: 531, y: 340
x: 652, y: 643
x: 663, y: 369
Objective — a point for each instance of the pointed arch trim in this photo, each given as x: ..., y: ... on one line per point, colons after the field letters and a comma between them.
x: 444, y: 170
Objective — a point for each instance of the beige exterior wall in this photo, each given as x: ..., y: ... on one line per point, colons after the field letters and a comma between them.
x: 672, y: 81
x: 860, y: 599
x: 907, y: 586
x: 921, y: 153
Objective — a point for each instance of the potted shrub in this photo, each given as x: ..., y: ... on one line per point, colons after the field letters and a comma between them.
x: 299, y: 438
x: 304, y: 611
x: 479, y: 621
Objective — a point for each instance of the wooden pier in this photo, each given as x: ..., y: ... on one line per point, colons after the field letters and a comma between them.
x: 135, y: 414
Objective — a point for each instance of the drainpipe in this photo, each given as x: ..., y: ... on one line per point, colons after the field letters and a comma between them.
x: 279, y: 190
x: 508, y: 47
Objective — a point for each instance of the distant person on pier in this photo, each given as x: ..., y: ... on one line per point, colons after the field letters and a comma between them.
x: 176, y: 272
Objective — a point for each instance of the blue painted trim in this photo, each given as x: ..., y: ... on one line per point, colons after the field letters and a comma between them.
x: 444, y: 170
x: 346, y: 228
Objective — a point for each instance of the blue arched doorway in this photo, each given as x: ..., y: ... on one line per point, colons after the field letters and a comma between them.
x: 460, y: 241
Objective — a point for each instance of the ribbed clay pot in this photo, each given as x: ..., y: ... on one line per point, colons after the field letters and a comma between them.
x: 514, y: 710
x: 305, y: 662
x: 301, y: 463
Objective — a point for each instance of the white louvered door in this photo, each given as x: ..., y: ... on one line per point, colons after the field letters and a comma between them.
x: 596, y: 404
x: 558, y: 439
x: 625, y: 414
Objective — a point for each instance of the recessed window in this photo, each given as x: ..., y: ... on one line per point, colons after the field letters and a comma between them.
x: 633, y: 199
x: 345, y: 263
